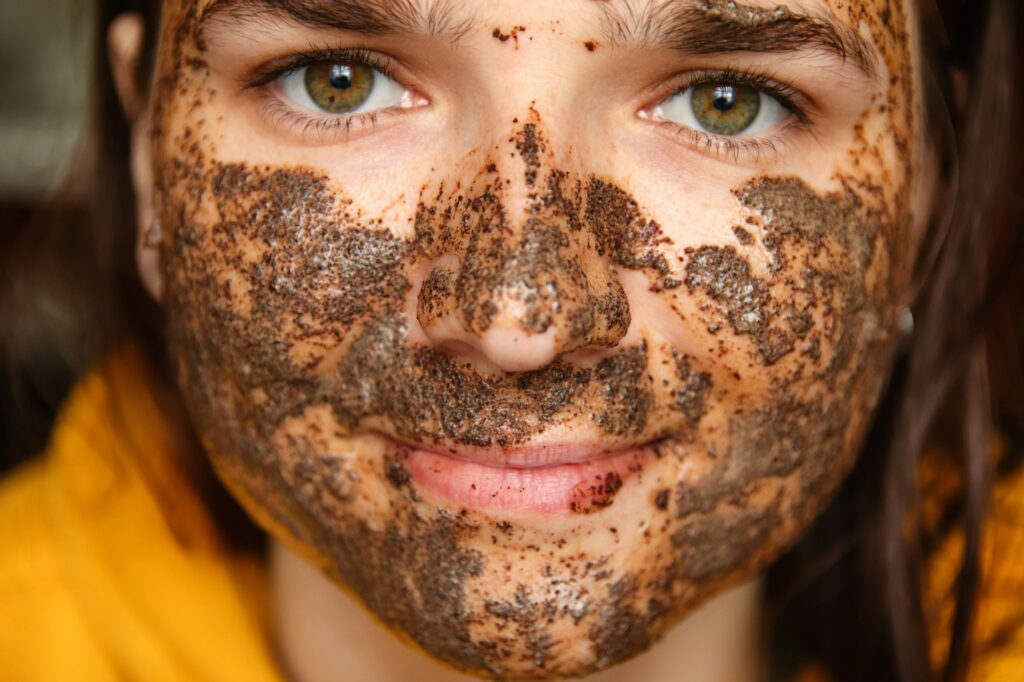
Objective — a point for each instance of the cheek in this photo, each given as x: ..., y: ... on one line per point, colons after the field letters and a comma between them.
x: 792, y: 317
x: 268, y: 270
x: 813, y: 302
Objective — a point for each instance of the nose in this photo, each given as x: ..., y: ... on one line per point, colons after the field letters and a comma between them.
x: 514, y: 274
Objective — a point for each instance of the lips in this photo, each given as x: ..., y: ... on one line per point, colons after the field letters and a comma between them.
x: 549, y: 479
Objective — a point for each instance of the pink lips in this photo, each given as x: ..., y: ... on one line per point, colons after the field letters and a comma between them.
x: 550, y: 479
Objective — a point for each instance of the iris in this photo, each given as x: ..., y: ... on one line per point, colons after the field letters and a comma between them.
x: 339, y: 87
x: 725, y: 109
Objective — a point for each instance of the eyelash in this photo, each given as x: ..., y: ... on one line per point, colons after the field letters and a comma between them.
x: 280, y: 114
x: 721, y: 146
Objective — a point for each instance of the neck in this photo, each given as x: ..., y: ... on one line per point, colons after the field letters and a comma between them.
x: 325, y: 635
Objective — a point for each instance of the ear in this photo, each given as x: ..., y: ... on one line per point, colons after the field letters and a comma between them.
x: 125, y: 38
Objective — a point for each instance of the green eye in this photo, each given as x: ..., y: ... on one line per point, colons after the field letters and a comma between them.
x: 725, y: 109
x: 722, y: 108
x: 338, y: 87
x: 342, y: 87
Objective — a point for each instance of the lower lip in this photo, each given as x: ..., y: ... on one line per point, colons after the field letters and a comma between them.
x: 583, y: 487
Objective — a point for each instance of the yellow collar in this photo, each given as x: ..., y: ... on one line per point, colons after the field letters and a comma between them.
x: 162, y: 594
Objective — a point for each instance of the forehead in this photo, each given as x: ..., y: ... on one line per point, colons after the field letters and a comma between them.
x: 870, y: 34
x: 574, y: 7
x: 617, y: 18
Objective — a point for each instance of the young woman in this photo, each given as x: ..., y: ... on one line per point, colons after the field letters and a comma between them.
x: 540, y: 329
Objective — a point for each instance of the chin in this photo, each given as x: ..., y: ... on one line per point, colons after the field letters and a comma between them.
x: 546, y: 578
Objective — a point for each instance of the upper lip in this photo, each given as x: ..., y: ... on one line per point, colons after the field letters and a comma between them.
x: 529, y: 456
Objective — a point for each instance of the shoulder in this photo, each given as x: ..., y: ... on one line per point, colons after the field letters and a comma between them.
x: 23, y: 536
x: 997, y: 630
x: 40, y: 613
x: 111, y: 567
x: 27, y: 562
x: 999, y: 622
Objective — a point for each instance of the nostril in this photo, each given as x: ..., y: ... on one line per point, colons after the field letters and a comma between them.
x: 518, y: 280
x: 519, y: 319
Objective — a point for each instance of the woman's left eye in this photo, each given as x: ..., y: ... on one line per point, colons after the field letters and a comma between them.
x: 726, y: 109
x: 342, y: 87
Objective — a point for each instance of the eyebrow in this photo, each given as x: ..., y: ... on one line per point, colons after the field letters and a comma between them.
x: 438, y: 18
x: 719, y: 27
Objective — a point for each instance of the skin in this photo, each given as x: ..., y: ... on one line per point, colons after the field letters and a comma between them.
x: 525, y: 257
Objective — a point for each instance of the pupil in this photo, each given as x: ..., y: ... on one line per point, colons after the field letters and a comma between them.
x: 724, y: 98
x: 341, y: 76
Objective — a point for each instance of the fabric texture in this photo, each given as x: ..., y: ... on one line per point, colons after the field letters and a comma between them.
x: 997, y: 634
x: 113, y: 569
x: 97, y: 580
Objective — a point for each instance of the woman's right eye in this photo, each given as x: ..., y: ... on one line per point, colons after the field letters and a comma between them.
x: 343, y: 87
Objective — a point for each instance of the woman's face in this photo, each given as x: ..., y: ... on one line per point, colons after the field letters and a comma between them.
x: 534, y: 324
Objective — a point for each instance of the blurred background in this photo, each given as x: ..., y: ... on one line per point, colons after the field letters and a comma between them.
x: 43, y: 57
x: 44, y: 49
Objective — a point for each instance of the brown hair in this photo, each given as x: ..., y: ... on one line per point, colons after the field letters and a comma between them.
x: 849, y: 594
x: 73, y: 291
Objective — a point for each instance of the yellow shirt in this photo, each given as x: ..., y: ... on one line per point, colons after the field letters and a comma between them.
x: 111, y: 567
x: 97, y: 580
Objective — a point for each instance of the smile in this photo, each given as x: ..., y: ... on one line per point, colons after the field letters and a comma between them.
x: 554, y: 479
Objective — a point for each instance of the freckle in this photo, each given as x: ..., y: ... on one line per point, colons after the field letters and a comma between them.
x: 590, y: 45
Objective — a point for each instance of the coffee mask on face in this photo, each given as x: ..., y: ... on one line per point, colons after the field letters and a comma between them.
x: 296, y: 321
